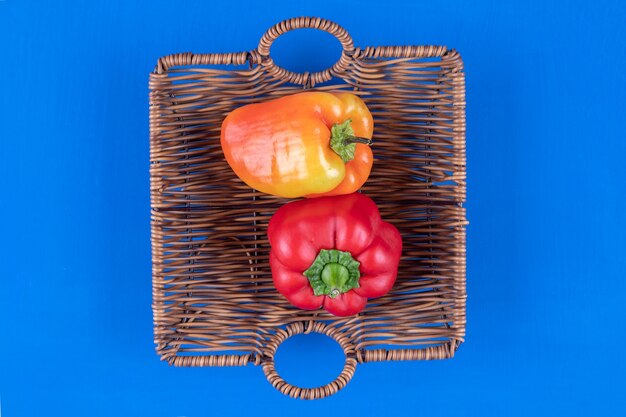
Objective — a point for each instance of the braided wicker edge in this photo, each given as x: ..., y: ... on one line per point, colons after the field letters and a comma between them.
x: 254, y: 57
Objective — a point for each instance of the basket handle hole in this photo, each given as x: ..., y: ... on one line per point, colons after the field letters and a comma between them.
x: 306, y: 50
x: 309, y: 360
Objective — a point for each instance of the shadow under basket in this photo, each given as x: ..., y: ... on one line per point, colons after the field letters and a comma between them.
x: 214, y: 301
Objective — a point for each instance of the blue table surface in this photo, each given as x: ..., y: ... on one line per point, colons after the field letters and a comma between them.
x: 546, y: 95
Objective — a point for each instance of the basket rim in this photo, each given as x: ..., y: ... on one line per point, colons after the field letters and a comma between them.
x: 254, y: 57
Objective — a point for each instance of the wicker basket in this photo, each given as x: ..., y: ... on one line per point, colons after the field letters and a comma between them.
x: 213, y: 298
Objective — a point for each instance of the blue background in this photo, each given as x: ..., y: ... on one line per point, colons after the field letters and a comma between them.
x: 546, y: 92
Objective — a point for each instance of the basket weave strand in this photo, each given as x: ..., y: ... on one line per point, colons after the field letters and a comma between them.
x: 213, y: 298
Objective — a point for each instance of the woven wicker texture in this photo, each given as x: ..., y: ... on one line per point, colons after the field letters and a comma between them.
x: 213, y: 299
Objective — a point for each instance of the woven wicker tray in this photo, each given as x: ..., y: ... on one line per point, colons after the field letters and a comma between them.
x: 213, y: 299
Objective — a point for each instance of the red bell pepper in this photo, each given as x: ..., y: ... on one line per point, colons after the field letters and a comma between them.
x: 333, y: 252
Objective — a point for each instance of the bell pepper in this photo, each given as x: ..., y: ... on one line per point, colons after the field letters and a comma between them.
x: 306, y: 144
x: 333, y: 252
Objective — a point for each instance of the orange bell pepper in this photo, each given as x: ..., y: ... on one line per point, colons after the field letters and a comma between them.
x: 307, y: 144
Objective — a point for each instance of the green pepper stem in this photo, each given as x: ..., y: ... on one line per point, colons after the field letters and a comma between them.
x: 335, y: 276
x: 343, y: 140
x: 333, y: 272
x: 357, y: 139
